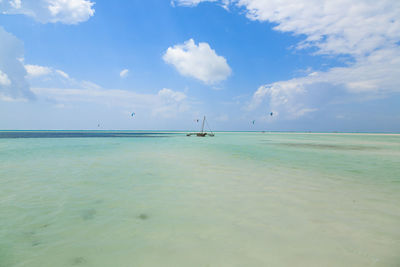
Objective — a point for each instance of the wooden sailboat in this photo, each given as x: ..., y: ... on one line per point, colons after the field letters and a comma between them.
x: 202, y: 133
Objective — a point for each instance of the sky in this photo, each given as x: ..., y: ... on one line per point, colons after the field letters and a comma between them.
x: 316, y: 65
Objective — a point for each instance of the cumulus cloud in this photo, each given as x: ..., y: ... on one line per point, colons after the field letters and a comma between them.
x: 198, y: 61
x: 13, y: 84
x: 375, y: 75
x: 13, y: 73
x: 285, y: 99
x: 334, y: 27
x: 45, y: 11
x: 170, y: 103
x: 124, y: 73
x: 367, y: 31
x: 4, y: 81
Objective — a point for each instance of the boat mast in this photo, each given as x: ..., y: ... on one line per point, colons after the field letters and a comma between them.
x: 202, y: 126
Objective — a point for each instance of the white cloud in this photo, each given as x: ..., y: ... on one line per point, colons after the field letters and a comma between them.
x: 375, y: 75
x: 37, y: 71
x: 189, y: 2
x: 198, y: 61
x: 171, y: 96
x: 59, y: 88
x: 170, y: 103
x: 45, y: 11
x: 166, y: 103
x: 192, y: 3
x: 284, y: 99
x: 63, y: 74
x: 124, y: 73
x: 4, y: 81
x: 13, y: 84
x: 334, y: 27
x: 15, y: 3
x: 367, y: 31
x: 12, y: 78
x: 48, y: 76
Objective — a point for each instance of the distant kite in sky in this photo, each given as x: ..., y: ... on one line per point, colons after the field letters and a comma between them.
x: 271, y: 113
x: 253, y: 121
x: 133, y: 114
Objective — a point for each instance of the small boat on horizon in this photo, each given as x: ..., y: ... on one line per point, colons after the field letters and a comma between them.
x: 202, y: 133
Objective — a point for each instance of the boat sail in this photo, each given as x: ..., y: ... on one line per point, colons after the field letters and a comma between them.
x: 202, y: 133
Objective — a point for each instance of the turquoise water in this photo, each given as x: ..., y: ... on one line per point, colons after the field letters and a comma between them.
x: 236, y: 199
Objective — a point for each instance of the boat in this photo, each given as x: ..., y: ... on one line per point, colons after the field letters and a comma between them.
x: 202, y: 133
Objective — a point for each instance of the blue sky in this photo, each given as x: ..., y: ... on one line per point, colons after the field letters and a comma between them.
x: 317, y: 65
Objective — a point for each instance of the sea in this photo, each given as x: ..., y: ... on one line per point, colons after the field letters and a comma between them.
x: 136, y: 198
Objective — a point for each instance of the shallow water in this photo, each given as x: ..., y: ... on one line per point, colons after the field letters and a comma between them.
x: 236, y: 199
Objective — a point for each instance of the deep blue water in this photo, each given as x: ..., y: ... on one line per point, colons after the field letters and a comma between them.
x: 80, y: 134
